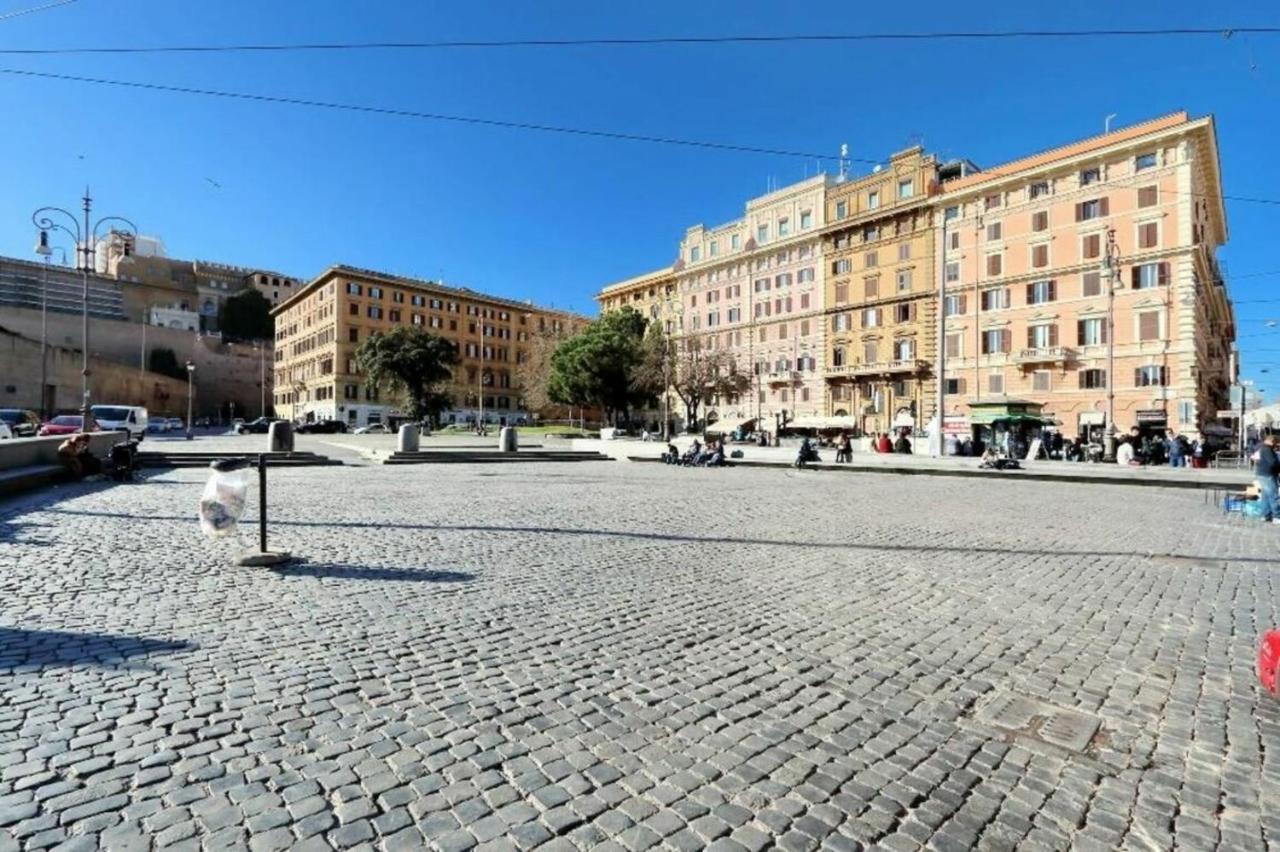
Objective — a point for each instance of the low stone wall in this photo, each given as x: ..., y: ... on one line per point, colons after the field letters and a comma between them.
x: 23, y: 452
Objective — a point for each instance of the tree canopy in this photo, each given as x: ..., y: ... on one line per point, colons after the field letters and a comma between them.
x: 598, y: 366
x: 246, y: 316
x: 412, y: 363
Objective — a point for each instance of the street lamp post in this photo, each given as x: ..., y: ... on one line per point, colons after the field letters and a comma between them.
x: 86, y: 242
x: 191, y: 373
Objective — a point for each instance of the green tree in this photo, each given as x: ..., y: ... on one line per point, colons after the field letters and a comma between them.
x: 246, y: 316
x: 162, y: 360
x: 597, y: 367
x: 412, y: 363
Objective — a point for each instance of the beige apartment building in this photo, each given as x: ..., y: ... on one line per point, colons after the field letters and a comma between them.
x: 1083, y: 280
x: 881, y: 295
x: 321, y: 325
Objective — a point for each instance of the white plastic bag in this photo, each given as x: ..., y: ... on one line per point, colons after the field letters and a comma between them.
x: 222, y: 502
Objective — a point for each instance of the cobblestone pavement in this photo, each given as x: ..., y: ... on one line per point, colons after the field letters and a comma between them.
x: 615, y: 656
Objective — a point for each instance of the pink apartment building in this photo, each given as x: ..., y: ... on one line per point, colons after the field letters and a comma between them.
x: 1089, y: 271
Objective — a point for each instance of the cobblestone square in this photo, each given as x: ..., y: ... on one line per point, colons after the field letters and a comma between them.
x: 631, y: 656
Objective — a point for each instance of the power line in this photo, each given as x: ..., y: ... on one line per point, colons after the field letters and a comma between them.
x: 20, y: 12
x: 432, y: 116
x: 969, y: 35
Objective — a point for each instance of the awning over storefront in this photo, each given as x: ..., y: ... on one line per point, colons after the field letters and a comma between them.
x: 1009, y: 411
x: 821, y: 423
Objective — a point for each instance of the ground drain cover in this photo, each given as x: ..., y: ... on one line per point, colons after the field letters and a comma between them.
x: 1027, y: 716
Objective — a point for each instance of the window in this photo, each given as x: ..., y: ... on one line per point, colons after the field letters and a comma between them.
x: 353, y: 335
x: 994, y: 230
x: 995, y: 341
x: 713, y: 248
x: 1040, y: 221
x: 1040, y: 380
x: 1148, y: 235
x: 995, y: 299
x: 841, y: 267
x: 995, y: 383
x: 1039, y: 292
x: 1091, y: 246
x: 805, y: 276
x: 953, y: 271
x: 1149, y: 275
x: 762, y: 233
x: 873, y: 200
x: 1038, y: 189
x: 871, y: 318
x: 375, y: 312
x: 354, y: 289
x: 837, y: 356
x: 804, y: 328
x: 375, y: 292
x: 840, y: 322
x: 1042, y: 336
x: 398, y: 297
x: 804, y: 301
x: 904, y: 251
x: 1088, y: 176
x: 870, y: 352
x: 842, y: 209
x: 954, y: 305
x: 784, y: 226
x: 955, y: 386
x: 995, y: 263
x: 1091, y: 284
x: 842, y: 293
x: 871, y: 286
x: 350, y: 392
x: 735, y: 242
x: 904, y: 312
x: 695, y: 254
x: 1148, y: 325
x: 955, y: 344
x: 394, y: 316
x: 1142, y: 162
x: 1091, y: 209
x: 870, y: 234
x: 1093, y: 378
x: 904, y: 280
x: 906, y: 188
x: 1147, y: 196
x: 1040, y: 256
x: 904, y: 350
x: 1091, y: 332
x: 991, y: 202
x: 950, y: 213
x: 1150, y: 376
x: 869, y: 259
x: 353, y: 309
x: 806, y: 220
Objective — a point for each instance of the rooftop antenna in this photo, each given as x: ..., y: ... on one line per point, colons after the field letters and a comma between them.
x: 1107, y: 124
x: 844, y: 160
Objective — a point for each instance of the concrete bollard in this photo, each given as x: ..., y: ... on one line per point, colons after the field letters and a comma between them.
x: 280, y: 437
x: 408, y: 440
x: 507, y: 442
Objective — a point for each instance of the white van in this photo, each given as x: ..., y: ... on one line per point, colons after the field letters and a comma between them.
x: 121, y: 418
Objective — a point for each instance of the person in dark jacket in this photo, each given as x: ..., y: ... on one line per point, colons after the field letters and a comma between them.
x: 902, y: 445
x: 1267, y: 469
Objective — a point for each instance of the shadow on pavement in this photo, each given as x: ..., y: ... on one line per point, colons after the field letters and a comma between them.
x: 52, y: 648
x: 356, y: 572
x: 713, y: 539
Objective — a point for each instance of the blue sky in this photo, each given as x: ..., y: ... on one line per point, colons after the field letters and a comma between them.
x: 553, y: 217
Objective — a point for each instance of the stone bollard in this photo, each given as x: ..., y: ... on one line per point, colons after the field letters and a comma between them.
x: 507, y: 442
x: 408, y: 440
x: 280, y: 437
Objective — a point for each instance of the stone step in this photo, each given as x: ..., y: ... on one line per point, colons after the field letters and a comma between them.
x: 492, y: 457
x: 304, y: 459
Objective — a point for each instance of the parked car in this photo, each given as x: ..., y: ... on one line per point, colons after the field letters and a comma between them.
x: 321, y: 427
x: 256, y: 427
x: 5, y: 432
x: 63, y: 424
x: 155, y: 427
x: 121, y: 418
x: 22, y: 422
x: 175, y: 424
x: 374, y: 429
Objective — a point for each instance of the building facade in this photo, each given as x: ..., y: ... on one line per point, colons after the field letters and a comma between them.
x: 322, y: 324
x: 881, y: 295
x: 1084, y: 280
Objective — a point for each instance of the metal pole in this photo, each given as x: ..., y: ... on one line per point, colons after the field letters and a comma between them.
x: 142, y: 356
x: 191, y: 373
x: 44, y: 339
x: 262, y: 378
x: 262, y: 503
x: 480, y: 418
x: 86, y: 418
x: 936, y: 443
x: 1113, y: 272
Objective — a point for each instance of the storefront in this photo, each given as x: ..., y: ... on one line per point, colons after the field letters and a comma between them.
x: 1008, y: 425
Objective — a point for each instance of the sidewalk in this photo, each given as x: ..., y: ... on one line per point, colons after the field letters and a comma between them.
x: 907, y: 465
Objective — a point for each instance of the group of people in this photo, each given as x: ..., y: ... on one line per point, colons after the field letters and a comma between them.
x: 884, y: 444
x: 710, y: 454
x: 1170, y: 448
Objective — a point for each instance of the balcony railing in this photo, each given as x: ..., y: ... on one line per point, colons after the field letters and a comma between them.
x: 782, y: 376
x: 1046, y: 355
x: 881, y: 368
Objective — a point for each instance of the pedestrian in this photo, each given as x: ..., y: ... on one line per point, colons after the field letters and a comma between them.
x: 844, y: 450
x: 902, y: 445
x: 1267, y: 469
x: 1177, y: 450
x: 882, y: 443
x: 1124, y: 452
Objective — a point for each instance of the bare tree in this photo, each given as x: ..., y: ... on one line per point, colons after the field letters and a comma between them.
x: 533, y: 375
x: 699, y: 374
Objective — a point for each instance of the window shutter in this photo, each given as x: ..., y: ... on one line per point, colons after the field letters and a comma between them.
x: 1053, y: 291
x: 1053, y: 335
x: 960, y: 385
x: 964, y: 304
x: 1103, y: 207
x: 911, y: 312
x: 1031, y: 294
x: 1137, y: 377
x: 1080, y: 332
x: 1164, y: 273
x: 1105, y: 330
x: 1006, y: 340
x: 1135, y: 277
x: 1079, y: 211
x: 1031, y: 337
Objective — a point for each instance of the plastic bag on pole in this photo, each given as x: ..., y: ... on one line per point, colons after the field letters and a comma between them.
x: 222, y: 503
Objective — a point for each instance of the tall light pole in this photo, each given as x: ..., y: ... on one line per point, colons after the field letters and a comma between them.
x: 937, y: 445
x: 191, y: 373
x: 262, y: 378
x: 86, y: 238
x: 1113, y: 275
x: 480, y: 378
x: 46, y: 251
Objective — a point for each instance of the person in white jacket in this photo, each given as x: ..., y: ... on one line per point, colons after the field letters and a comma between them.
x: 1124, y: 453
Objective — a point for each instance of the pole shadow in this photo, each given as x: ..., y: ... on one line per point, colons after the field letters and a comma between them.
x: 327, y: 571
x: 58, y: 648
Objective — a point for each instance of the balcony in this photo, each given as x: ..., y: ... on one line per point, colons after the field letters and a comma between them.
x: 775, y: 377
x: 1046, y: 355
x: 880, y: 368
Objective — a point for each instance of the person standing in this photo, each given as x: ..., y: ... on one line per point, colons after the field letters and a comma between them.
x: 1267, y: 469
x: 1177, y: 452
x: 1124, y: 452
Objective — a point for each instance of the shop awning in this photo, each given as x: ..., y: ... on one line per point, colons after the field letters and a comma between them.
x: 987, y: 418
x: 821, y: 423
